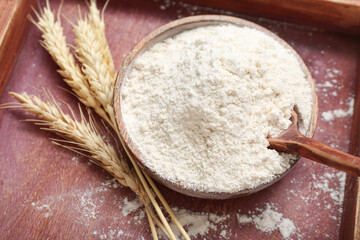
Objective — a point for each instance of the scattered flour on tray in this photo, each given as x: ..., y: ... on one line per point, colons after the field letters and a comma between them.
x: 269, y: 220
x: 130, y: 206
x: 202, y: 225
x: 322, y: 182
x: 85, y: 202
x: 198, y: 224
x: 75, y: 160
x: 200, y: 105
x: 339, y: 113
x: 43, y: 207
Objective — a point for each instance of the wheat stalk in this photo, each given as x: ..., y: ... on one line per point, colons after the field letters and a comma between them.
x: 54, y: 42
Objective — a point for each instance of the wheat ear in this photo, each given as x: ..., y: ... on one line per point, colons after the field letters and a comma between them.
x: 87, y: 141
x: 98, y: 25
x: 54, y: 42
x: 83, y: 135
x: 88, y: 51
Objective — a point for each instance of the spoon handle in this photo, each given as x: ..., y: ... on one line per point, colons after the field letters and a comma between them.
x: 317, y: 151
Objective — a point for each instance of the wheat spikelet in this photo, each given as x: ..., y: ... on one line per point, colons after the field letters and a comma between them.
x: 98, y: 25
x: 84, y: 136
x: 54, y: 42
x: 89, y: 53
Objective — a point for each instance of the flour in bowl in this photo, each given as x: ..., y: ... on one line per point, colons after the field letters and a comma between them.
x: 200, y: 105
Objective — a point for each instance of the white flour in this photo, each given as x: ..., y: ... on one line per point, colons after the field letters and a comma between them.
x: 199, y: 223
x: 269, y: 220
x: 339, y: 113
x: 130, y: 206
x: 200, y: 105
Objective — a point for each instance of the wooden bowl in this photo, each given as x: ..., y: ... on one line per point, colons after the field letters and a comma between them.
x: 169, y: 30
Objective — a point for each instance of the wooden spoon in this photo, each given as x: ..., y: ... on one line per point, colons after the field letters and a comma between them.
x: 292, y: 141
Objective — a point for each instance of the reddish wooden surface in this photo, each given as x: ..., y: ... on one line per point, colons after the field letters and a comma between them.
x: 45, y: 193
x: 13, y: 29
x: 338, y: 15
x: 352, y: 202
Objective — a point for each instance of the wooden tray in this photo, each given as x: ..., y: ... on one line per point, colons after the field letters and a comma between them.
x: 50, y: 193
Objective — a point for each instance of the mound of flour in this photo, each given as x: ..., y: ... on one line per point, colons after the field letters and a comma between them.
x: 200, y: 105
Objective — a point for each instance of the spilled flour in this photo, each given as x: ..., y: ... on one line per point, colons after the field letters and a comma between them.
x: 199, y: 224
x: 339, y: 113
x: 130, y: 206
x: 42, y: 207
x: 86, y: 207
x: 85, y: 203
x: 322, y: 182
x: 268, y: 220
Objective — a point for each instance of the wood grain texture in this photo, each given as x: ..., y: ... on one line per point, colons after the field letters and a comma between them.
x: 47, y: 192
x: 338, y: 15
x: 351, y: 219
x: 159, y: 35
x: 13, y: 30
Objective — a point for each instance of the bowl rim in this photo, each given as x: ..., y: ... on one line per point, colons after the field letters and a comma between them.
x: 171, y: 29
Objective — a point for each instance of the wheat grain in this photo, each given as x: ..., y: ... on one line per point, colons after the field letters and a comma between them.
x: 98, y: 25
x: 54, y: 42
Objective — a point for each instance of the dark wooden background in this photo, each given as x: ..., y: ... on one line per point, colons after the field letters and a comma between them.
x: 46, y: 193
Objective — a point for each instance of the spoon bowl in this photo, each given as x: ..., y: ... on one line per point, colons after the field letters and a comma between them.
x: 169, y: 30
x: 292, y: 141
